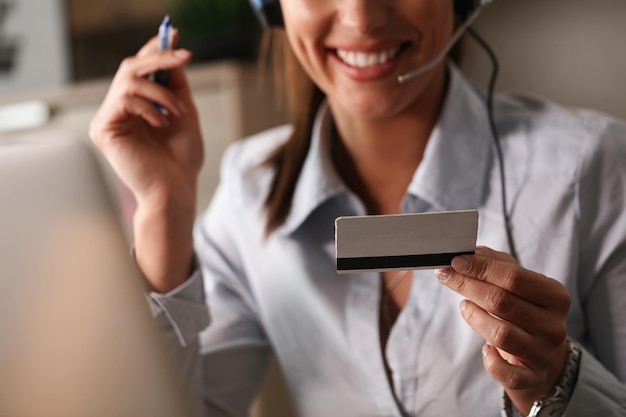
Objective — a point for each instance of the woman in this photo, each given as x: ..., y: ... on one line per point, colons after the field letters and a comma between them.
x: 361, y: 143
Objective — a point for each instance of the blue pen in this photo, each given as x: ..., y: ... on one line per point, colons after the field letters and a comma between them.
x: 166, y: 40
x: 165, y: 43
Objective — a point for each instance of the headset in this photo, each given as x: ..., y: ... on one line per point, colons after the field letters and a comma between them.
x: 270, y: 15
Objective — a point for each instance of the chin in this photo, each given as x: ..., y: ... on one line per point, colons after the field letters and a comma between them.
x: 376, y: 106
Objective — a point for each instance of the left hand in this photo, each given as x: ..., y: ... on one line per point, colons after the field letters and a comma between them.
x: 523, y: 317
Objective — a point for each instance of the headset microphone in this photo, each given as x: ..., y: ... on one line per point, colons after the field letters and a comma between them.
x: 455, y: 38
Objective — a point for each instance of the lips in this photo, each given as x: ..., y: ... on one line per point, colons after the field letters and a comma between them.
x: 359, y: 59
x: 369, y: 63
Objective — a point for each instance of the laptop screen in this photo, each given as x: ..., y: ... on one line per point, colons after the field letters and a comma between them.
x: 77, y: 335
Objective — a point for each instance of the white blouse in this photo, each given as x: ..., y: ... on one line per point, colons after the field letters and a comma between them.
x: 566, y: 184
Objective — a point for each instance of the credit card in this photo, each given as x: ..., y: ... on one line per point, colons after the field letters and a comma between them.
x: 404, y: 241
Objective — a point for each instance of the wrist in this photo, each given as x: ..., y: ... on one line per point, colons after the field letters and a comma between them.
x: 168, y: 201
x: 163, y: 235
x: 555, y: 403
x: 523, y: 399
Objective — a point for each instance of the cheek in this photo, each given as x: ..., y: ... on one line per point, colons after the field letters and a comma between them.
x: 307, y: 24
x: 307, y: 20
x: 434, y: 21
x: 306, y: 45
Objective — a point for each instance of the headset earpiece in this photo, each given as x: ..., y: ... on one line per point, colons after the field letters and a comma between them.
x: 269, y: 12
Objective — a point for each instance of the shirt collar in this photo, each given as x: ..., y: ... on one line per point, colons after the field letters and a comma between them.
x: 318, y: 180
x: 449, y: 177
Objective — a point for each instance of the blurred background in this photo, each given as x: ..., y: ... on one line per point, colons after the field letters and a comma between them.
x: 104, y: 32
x: 567, y: 50
x: 80, y: 39
x: 57, y: 58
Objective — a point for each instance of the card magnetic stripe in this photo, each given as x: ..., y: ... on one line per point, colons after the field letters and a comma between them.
x: 397, y: 262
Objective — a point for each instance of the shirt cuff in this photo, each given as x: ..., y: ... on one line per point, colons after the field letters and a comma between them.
x: 598, y: 392
x: 184, y: 308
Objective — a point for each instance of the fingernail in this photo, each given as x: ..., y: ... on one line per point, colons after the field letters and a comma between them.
x: 461, y: 263
x: 442, y: 274
x: 486, y: 350
x: 463, y: 305
x: 182, y: 53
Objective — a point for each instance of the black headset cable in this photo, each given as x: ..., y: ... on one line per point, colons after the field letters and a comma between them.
x: 495, y: 68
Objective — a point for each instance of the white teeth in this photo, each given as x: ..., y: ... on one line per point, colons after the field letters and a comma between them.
x: 367, y: 59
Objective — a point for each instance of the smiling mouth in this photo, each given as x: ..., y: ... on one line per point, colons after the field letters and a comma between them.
x: 360, y: 59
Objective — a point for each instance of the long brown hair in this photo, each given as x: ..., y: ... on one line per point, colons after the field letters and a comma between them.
x: 303, y: 98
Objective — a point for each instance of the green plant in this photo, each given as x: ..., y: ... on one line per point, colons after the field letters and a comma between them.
x: 201, y: 17
x: 217, y: 29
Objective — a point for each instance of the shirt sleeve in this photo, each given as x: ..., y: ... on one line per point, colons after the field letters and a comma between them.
x: 221, y: 365
x: 221, y: 362
x: 181, y: 315
x: 597, y: 391
x: 235, y: 348
x: 600, y: 389
x: 183, y: 310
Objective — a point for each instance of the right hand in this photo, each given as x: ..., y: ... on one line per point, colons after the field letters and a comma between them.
x: 157, y: 156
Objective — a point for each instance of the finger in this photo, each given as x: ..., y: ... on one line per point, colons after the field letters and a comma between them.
x: 145, y: 65
x: 115, y: 106
x: 507, y: 306
x: 506, y: 336
x: 149, y: 47
x: 156, y: 93
x: 501, y: 256
x: 152, y: 45
x: 486, y: 251
x: 180, y: 86
x: 531, y: 286
x: 510, y: 376
x: 146, y: 110
x: 177, y: 78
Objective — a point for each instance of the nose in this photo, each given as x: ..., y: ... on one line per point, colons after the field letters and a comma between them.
x: 363, y: 16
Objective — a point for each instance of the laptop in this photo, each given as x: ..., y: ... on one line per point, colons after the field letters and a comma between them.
x: 76, y: 335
